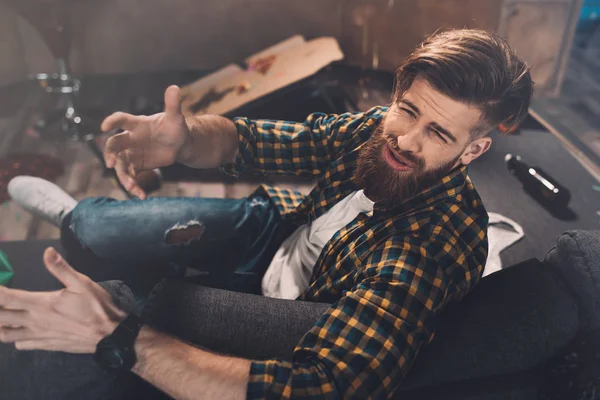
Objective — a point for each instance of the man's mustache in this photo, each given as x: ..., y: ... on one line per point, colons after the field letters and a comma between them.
x: 393, y: 143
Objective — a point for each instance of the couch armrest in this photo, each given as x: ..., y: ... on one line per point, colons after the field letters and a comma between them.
x: 514, y: 320
x: 576, y: 257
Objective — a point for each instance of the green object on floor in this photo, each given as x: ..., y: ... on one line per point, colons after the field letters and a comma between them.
x: 6, y: 271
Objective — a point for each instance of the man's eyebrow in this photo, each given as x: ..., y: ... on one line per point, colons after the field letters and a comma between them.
x: 411, y: 105
x: 443, y: 131
x: 434, y: 125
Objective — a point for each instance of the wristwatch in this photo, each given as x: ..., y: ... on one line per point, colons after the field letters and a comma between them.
x: 116, y: 351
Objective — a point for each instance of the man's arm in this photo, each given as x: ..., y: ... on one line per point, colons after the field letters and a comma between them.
x: 212, y: 141
x: 187, y: 372
x: 298, y: 148
x: 266, y: 146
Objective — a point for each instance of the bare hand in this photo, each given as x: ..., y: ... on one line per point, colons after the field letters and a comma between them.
x: 147, y: 142
x: 72, y: 320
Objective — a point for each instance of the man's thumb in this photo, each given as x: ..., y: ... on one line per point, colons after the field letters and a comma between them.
x: 173, y: 101
x: 61, y: 269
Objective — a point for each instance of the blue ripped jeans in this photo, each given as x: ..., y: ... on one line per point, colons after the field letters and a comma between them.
x: 231, y: 241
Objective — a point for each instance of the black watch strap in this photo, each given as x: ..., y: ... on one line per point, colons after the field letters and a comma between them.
x: 116, y: 351
x: 129, y: 327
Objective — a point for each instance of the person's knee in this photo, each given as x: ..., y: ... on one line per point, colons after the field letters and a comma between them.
x: 122, y: 295
x: 88, y: 222
x: 183, y: 234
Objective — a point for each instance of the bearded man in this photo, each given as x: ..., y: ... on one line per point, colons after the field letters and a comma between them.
x: 393, y: 232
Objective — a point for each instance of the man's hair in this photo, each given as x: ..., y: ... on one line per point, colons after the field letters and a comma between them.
x: 474, y: 67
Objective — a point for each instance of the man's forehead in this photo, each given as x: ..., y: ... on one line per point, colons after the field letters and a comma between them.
x: 447, y: 112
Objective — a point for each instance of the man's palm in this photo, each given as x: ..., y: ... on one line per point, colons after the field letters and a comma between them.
x: 156, y: 140
x: 147, y: 142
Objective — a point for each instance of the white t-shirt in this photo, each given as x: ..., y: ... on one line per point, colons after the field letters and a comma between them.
x: 290, y: 270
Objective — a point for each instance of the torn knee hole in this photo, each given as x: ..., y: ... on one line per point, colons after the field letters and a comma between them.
x: 182, y: 234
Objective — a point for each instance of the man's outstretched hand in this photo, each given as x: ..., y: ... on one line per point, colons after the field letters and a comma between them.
x: 72, y: 320
x: 147, y: 142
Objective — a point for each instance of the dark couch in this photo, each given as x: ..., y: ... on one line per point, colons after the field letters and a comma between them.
x: 526, y: 332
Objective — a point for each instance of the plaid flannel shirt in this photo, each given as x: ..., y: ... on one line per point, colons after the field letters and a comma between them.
x: 387, y: 274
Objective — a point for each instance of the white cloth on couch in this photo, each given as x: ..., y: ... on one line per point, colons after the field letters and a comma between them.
x: 500, y: 238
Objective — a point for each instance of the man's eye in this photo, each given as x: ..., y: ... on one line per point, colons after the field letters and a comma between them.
x: 412, y: 114
x: 439, y: 135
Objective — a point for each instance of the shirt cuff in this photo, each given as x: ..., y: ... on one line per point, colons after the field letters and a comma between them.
x: 245, y: 155
x: 268, y: 378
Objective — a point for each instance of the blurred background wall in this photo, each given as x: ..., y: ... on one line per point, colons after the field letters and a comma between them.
x: 115, y: 36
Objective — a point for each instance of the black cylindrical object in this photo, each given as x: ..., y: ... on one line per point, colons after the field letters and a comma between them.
x: 538, y: 183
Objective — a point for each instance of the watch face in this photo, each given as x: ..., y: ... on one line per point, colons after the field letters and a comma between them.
x: 116, y: 351
x: 110, y: 356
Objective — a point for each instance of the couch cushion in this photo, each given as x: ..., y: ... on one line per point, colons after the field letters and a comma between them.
x: 577, y: 258
x: 514, y: 320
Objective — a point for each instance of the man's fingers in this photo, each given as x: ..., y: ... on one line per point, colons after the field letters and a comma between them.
x: 122, y: 170
x: 30, y: 345
x: 136, y: 190
x: 173, y: 101
x: 62, y: 270
x: 131, y: 171
x: 114, y: 145
x: 41, y: 344
x: 139, y: 193
x: 12, y: 317
x: 128, y: 181
x: 10, y: 335
x: 119, y: 120
x: 15, y: 299
x: 55, y: 345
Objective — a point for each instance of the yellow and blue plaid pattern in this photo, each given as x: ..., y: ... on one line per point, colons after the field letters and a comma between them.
x: 387, y: 274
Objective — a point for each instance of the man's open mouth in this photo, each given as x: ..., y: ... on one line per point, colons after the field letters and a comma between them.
x: 395, y: 160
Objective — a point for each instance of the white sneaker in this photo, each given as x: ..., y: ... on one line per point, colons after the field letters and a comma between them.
x: 42, y: 198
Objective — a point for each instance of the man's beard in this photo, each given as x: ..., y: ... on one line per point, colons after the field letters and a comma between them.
x: 387, y: 187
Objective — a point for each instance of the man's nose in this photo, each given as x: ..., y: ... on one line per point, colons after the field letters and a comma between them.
x: 410, y: 141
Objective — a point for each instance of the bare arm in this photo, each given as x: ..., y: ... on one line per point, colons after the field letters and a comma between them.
x: 305, y: 148
x: 186, y: 372
x: 212, y: 141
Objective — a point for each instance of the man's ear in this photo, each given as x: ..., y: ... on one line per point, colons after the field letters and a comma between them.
x: 476, y: 148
